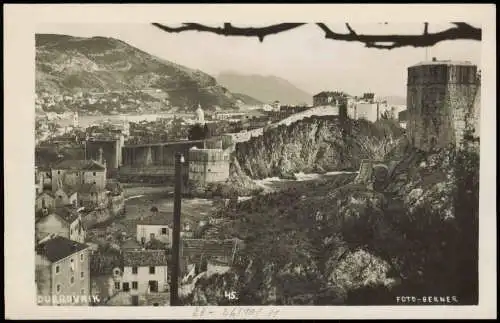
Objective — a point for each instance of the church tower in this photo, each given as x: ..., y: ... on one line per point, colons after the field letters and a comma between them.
x: 200, y: 114
x: 75, y: 119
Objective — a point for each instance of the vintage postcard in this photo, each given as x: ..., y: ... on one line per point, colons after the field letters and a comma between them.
x: 188, y: 161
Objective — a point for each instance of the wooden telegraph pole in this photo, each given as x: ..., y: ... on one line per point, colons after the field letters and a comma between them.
x: 174, y: 281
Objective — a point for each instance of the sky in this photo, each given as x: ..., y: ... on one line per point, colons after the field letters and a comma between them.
x: 302, y: 56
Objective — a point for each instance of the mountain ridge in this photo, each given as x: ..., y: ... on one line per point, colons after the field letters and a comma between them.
x: 66, y: 65
x: 265, y: 88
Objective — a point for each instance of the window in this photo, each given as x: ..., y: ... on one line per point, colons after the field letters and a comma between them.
x: 163, y: 230
x: 152, y: 270
x: 117, y: 285
x: 58, y: 288
x: 134, y: 270
x: 93, y: 173
x: 82, y: 275
x: 58, y: 172
x: 135, y: 285
x: 72, y: 280
x: 60, y: 197
x: 81, y: 257
x: 94, y: 182
x: 57, y: 269
x: 82, y: 291
x: 72, y: 264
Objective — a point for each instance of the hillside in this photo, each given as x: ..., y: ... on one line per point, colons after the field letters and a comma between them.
x: 265, y: 88
x: 248, y: 100
x: 336, y: 242
x: 73, y: 66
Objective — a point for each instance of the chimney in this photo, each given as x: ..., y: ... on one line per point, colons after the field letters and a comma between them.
x: 100, y: 155
x: 434, y: 59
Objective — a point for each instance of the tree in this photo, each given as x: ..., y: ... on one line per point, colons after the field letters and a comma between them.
x: 207, y: 131
x: 197, y: 132
x: 460, y: 30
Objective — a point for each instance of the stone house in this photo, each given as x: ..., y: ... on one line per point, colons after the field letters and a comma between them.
x: 155, y: 227
x: 61, y: 221
x: 328, y: 98
x: 74, y: 173
x: 208, y: 255
x: 45, y: 200
x: 66, y: 196
x: 62, y: 272
x: 92, y: 195
x: 145, y: 273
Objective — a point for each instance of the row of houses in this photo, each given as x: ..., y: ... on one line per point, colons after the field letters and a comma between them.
x: 64, y: 260
x: 366, y: 107
x: 63, y: 270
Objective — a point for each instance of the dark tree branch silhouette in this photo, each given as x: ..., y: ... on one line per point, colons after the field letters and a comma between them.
x: 230, y: 30
x: 460, y: 30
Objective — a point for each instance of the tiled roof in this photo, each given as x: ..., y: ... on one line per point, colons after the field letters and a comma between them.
x: 330, y: 93
x: 67, y: 214
x: 68, y: 190
x: 58, y: 248
x: 72, y: 164
x: 49, y: 193
x: 143, y: 258
x: 207, y: 248
x: 161, y: 218
x: 130, y: 245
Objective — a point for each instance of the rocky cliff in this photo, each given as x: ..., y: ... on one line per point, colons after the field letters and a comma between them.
x: 316, y: 144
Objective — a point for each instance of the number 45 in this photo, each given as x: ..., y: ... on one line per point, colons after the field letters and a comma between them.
x: 230, y: 295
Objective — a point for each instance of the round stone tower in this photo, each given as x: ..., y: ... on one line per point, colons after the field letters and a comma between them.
x: 440, y: 95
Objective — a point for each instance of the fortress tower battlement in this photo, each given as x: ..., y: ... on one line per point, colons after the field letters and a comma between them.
x: 208, y: 165
x: 441, y: 98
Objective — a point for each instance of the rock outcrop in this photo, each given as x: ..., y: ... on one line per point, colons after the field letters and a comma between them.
x: 338, y: 242
x: 315, y: 144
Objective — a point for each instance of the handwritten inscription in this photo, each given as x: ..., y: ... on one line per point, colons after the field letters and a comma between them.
x: 236, y: 312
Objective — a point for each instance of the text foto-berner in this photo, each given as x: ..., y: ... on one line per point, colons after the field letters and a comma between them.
x: 427, y: 300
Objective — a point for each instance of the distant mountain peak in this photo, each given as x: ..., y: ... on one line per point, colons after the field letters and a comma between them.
x: 266, y: 88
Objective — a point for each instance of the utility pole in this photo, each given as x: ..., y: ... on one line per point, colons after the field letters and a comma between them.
x: 174, y: 280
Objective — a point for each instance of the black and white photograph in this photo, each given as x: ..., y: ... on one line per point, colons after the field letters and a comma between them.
x: 257, y: 166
